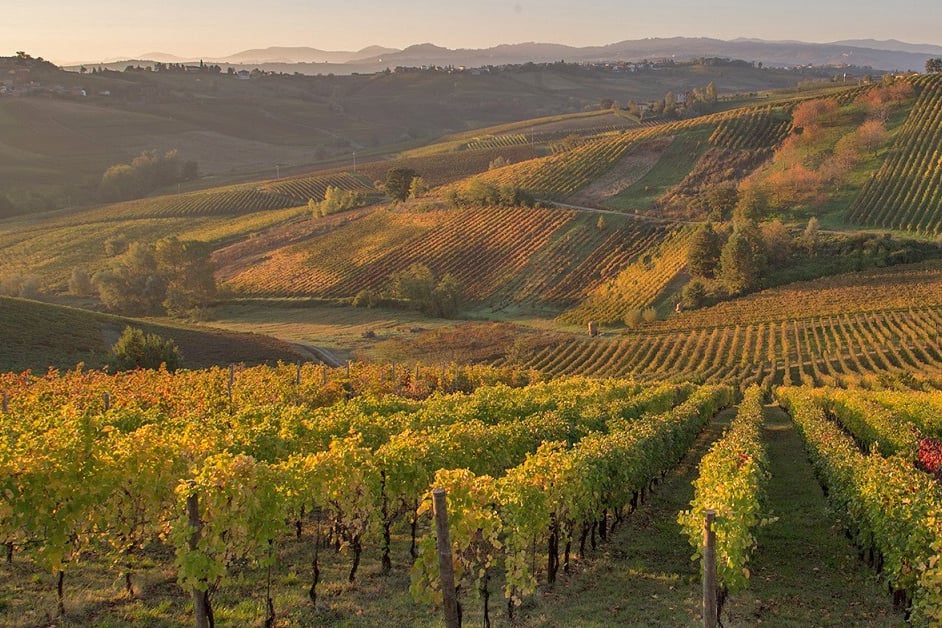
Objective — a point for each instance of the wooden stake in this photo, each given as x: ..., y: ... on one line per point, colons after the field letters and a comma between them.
x: 6, y: 403
x: 297, y: 376
x: 201, y: 606
x: 445, y: 566
x: 324, y: 375
x: 106, y: 397
x: 231, y: 381
x: 710, y: 614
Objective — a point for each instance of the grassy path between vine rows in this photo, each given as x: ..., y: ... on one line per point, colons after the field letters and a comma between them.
x: 643, y: 575
x: 805, y: 571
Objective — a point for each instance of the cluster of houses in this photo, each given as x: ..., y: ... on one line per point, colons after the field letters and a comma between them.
x: 20, y: 82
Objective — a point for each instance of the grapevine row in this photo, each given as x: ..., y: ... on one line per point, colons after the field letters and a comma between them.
x: 731, y: 482
x: 894, y: 511
x: 220, y: 483
x: 906, y: 192
x: 828, y: 350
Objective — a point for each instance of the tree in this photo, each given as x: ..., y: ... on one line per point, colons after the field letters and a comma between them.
x: 335, y: 200
x: 171, y: 276
x: 777, y: 241
x: 721, y: 200
x: 710, y: 92
x: 190, y: 171
x: 398, y: 182
x: 742, y: 261
x: 809, y: 238
x: 749, y: 208
x: 703, y: 255
x: 872, y: 134
x: 417, y: 287
x: 934, y: 65
x: 80, y: 284
x: 188, y: 273
x: 498, y: 162
x: 446, y: 298
x: 135, y: 349
x: 693, y: 295
x: 414, y: 285
x: 809, y: 114
x: 418, y: 188
x: 132, y: 285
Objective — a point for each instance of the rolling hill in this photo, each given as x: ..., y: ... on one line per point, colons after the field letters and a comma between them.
x: 38, y: 336
x: 64, y: 130
x: 619, y: 197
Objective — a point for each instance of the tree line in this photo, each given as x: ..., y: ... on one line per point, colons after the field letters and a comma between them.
x: 145, y: 173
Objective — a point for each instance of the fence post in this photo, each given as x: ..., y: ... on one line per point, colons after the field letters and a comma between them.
x: 445, y: 567
x: 201, y: 607
x: 710, y: 614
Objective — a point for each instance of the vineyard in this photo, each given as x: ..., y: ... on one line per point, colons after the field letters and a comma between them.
x: 840, y: 349
x: 303, y: 189
x: 906, y: 192
x: 220, y: 468
x: 636, y: 287
x: 841, y: 330
x: 892, y: 506
x: 265, y: 492
x: 757, y: 129
x: 564, y: 173
x: 501, y: 254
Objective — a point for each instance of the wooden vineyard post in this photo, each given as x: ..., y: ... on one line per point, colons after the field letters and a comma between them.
x: 106, y: 398
x: 6, y: 403
x: 297, y: 375
x: 444, y: 386
x: 445, y: 566
x: 201, y: 607
x: 231, y: 382
x: 710, y: 613
x: 324, y: 375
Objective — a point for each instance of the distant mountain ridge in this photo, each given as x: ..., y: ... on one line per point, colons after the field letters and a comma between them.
x: 886, y: 55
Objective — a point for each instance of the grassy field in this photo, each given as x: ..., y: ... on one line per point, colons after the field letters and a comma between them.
x: 672, y: 166
x: 37, y: 336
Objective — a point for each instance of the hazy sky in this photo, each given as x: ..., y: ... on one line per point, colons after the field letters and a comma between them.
x: 93, y: 30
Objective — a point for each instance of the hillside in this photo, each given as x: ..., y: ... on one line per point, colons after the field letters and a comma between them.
x: 61, y: 130
x: 38, y: 336
x: 853, y: 329
x: 890, y: 55
x: 591, y: 329
x: 617, y: 202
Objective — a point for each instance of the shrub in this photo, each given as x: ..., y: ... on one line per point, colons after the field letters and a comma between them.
x: 80, y: 284
x: 135, y: 349
x: 633, y: 318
